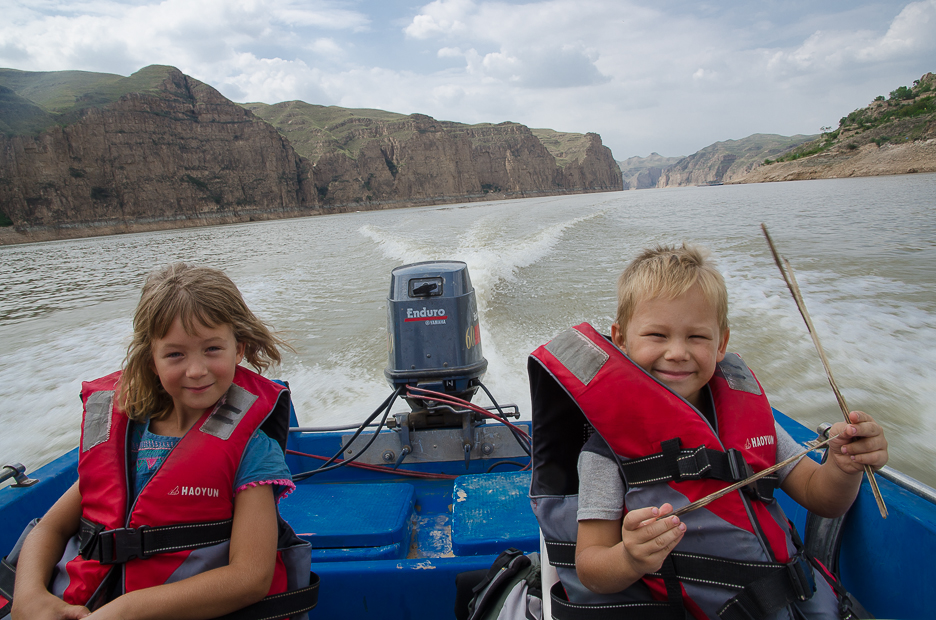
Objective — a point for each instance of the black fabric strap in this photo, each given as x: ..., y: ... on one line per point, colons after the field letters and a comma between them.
x: 278, y: 606
x: 790, y: 584
x: 673, y: 588
x: 121, y: 545
x: 562, y: 609
x: 7, y: 579
x: 561, y: 553
x: 694, y: 464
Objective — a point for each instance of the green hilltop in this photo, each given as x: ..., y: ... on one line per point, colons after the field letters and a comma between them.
x: 31, y: 101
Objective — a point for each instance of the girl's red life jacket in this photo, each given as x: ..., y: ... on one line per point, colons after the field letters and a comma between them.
x: 194, y: 484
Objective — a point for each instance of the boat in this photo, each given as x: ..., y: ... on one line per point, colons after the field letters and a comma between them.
x: 400, y: 504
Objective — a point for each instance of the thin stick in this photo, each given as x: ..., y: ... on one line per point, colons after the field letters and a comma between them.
x: 787, y: 272
x: 812, y: 445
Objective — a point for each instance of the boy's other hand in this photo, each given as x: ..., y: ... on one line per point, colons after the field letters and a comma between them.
x: 647, y: 540
x: 860, y: 443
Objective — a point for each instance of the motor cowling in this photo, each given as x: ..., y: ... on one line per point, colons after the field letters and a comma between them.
x: 433, y: 329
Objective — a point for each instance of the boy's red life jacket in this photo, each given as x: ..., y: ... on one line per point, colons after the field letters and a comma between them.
x: 640, y: 420
x: 193, y: 485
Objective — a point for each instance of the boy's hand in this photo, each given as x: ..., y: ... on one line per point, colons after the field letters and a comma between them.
x: 860, y: 443
x: 647, y: 541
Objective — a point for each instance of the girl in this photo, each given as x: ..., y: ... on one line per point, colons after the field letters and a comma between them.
x: 172, y: 439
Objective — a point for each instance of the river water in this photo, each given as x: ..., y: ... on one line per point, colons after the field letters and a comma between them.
x: 864, y: 251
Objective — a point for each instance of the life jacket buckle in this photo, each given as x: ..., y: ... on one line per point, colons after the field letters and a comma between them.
x: 801, y: 577
x: 739, y: 468
x: 119, y: 546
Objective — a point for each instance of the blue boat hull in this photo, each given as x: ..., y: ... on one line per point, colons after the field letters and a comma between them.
x: 400, y: 559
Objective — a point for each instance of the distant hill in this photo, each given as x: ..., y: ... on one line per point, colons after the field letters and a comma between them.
x: 90, y: 153
x: 645, y: 172
x: 724, y: 162
x: 896, y: 135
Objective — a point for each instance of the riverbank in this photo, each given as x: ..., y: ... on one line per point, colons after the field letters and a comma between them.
x: 15, y: 235
x: 867, y: 161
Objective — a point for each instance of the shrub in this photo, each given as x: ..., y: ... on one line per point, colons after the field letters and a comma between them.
x: 901, y: 93
x: 4, y: 220
x: 100, y: 193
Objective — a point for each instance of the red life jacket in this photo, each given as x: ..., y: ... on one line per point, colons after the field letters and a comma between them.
x: 640, y: 419
x: 194, y: 484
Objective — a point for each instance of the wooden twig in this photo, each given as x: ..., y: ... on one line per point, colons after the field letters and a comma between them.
x: 787, y: 272
x: 812, y: 445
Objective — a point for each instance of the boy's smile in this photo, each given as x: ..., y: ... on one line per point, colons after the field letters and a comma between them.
x: 675, y: 340
x: 196, y: 369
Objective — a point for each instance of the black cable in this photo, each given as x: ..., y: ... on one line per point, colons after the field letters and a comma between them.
x: 498, y: 463
x: 520, y: 440
x: 385, y: 405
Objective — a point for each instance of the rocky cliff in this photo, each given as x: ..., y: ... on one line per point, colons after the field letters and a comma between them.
x: 645, y: 172
x: 896, y: 135
x: 180, y: 154
x: 84, y: 154
x: 373, y: 156
x: 724, y: 162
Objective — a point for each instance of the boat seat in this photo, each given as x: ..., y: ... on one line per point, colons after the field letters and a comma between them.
x: 491, y: 512
x: 346, y: 522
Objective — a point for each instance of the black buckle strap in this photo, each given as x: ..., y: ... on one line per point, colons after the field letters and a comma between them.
x: 790, y: 584
x: 278, y: 606
x: 562, y: 609
x: 693, y: 464
x: 120, y: 545
x: 561, y: 553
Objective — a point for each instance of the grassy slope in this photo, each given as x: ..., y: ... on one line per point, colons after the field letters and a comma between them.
x: 35, y: 100
x: 565, y: 147
x: 909, y: 114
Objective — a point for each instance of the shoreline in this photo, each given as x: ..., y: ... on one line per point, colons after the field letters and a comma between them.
x: 18, y: 235
x: 869, y: 160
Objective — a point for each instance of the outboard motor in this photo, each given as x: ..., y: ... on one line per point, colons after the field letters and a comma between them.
x: 432, y: 323
x: 435, y: 344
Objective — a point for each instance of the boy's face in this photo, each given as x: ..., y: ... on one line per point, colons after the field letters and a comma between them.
x: 675, y: 340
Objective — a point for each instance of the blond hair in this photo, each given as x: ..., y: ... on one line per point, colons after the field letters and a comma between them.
x: 195, y: 295
x: 669, y: 272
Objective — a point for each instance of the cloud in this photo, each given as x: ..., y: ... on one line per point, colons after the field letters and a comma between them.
x: 623, y: 68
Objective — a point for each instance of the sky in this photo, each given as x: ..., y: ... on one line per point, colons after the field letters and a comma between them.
x: 669, y: 76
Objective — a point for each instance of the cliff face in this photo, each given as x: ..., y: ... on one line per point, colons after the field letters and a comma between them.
x: 645, y: 172
x: 84, y: 153
x: 724, y: 162
x: 888, y: 136
x: 371, y: 156
x: 183, y: 154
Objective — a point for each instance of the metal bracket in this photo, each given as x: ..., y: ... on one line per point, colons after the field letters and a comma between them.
x: 17, y: 471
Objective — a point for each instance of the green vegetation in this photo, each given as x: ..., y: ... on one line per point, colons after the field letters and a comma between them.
x: 31, y: 101
x: 565, y: 147
x: 4, y: 220
x: 908, y: 114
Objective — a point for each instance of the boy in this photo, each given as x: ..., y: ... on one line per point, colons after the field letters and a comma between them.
x: 672, y: 324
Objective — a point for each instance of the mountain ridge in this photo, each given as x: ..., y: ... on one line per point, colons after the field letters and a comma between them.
x: 159, y: 149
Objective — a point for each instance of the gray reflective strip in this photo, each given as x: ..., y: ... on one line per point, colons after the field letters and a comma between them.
x: 96, y: 425
x: 225, y: 418
x: 738, y: 375
x: 582, y: 357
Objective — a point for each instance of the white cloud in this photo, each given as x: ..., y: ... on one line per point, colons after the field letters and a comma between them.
x: 670, y: 77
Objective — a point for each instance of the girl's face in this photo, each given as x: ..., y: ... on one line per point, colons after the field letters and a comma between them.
x: 196, y: 369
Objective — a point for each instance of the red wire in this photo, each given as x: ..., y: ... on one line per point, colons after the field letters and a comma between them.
x: 454, y: 400
x: 379, y: 468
